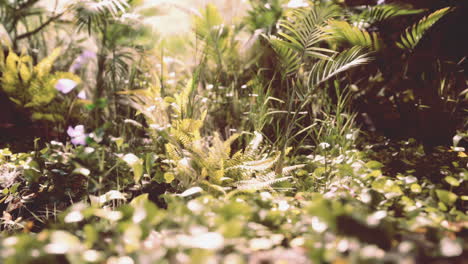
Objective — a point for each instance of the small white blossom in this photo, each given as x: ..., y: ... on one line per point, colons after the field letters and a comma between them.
x: 82, y: 95
x: 65, y: 85
x: 297, y: 4
x: 77, y: 134
x: 324, y: 145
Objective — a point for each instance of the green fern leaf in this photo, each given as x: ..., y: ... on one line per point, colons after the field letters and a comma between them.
x: 237, y: 192
x: 44, y: 66
x: 257, y: 165
x: 259, y: 184
x: 212, y: 189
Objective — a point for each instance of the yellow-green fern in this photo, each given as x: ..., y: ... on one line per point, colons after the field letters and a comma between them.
x: 33, y: 87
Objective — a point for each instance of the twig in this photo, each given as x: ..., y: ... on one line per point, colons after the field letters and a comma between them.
x: 41, y: 27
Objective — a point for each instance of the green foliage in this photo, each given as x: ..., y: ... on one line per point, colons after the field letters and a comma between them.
x: 92, y: 13
x: 326, y: 69
x: 380, y: 13
x: 33, y: 87
x: 414, y: 34
x: 343, y: 31
x: 245, y: 154
x: 303, y: 30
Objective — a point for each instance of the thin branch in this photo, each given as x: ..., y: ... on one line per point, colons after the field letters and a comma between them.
x: 41, y: 27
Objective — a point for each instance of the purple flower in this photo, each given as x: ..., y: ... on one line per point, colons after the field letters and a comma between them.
x: 82, y: 95
x: 81, y: 60
x: 77, y: 134
x: 65, y: 85
x: 87, y: 54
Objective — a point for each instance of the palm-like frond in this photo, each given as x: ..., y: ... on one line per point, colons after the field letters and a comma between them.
x: 326, y: 69
x: 345, y: 32
x: 414, y: 33
x: 289, y: 59
x: 212, y: 33
x: 300, y: 34
x: 303, y: 30
x: 380, y: 13
x: 93, y: 12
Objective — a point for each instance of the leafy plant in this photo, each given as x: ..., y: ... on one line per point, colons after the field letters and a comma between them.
x: 33, y: 87
x: 298, y: 49
x: 413, y: 34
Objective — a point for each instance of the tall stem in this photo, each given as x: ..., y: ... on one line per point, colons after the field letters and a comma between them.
x: 100, y: 82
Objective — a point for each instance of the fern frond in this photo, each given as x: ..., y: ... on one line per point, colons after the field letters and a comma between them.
x: 254, y: 144
x: 326, y: 69
x: 257, y: 165
x: 343, y: 31
x: 259, y: 184
x: 43, y: 68
x: 211, y: 188
x: 414, y: 33
x: 236, y: 159
x: 289, y: 169
x: 228, y: 142
x: 236, y: 193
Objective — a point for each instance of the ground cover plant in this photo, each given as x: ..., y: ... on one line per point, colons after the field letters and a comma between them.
x: 263, y: 131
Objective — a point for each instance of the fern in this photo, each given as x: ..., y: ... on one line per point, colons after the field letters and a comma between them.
x: 212, y: 189
x: 257, y: 165
x: 237, y: 192
x: 266, y: 180
x: 33, y: 87
x: 259, y: 184
x: 414, y: 33
x: 43, y: 68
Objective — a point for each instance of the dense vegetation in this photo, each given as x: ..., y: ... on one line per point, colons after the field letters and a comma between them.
x: 293, y: 132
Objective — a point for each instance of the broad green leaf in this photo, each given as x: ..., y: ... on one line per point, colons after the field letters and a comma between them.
x: 374, y: 165
x: 416, y: 188
x: 169, y: 177
x: 452, y: 181
x: 442, y: 206
x: 136, y: 164
x: 447, y: 197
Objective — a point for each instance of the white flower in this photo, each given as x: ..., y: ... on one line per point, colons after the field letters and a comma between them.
x: 65, y: 85
x: 318, y: 225
x: 131, y: 159
x: 324, y: 145
x: 297, y: 4
x: 82, y: 95
x: 77, y: 134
